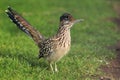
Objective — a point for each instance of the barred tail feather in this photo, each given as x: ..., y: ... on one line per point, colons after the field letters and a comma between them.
x: 20, y: 26
x: 23, y: 25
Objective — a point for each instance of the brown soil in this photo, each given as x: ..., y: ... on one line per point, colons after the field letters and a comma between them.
x: 112, y: 70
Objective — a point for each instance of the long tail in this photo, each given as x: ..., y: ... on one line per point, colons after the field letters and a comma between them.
x: 23, y: 25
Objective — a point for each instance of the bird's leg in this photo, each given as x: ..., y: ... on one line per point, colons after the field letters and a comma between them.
x: 56, y: 70
x: 51, y: 67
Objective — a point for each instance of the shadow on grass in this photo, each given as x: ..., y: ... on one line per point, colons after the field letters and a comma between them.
x: 25, y: 58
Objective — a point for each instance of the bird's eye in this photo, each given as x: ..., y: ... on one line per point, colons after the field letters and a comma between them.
x: 66, y: 18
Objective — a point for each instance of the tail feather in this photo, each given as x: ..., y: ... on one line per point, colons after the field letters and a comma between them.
x: 23, y: 25
x: 20, y: 26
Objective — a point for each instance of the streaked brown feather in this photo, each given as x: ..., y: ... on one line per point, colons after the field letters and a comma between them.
x: 24, y: 25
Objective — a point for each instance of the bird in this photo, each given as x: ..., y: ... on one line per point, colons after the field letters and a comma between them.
x: 53, y: 48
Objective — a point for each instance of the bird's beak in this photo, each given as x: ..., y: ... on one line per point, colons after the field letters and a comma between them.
x: 78, y: 20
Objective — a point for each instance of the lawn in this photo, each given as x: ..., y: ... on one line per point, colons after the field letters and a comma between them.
x: 90, y: 39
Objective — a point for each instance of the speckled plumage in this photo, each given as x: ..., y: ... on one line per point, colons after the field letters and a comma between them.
x: 53, y: 48
x: 56, y: 46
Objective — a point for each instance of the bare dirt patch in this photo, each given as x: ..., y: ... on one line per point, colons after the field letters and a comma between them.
x: 112, y: 70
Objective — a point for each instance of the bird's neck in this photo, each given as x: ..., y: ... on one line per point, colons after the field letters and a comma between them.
x: 63, y: 31
x: 63, y: 35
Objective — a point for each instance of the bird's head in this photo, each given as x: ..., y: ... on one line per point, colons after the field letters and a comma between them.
x: 67, y: 20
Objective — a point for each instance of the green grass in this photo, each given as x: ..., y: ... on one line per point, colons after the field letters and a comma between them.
x: 19, y: 54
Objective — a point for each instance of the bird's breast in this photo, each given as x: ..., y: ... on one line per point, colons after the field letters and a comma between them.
x: 62, y: 48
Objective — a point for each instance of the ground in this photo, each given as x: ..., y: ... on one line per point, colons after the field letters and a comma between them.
x: 112, y: 69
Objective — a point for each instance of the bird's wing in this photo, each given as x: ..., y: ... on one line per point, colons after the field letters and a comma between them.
x: 23, y: 25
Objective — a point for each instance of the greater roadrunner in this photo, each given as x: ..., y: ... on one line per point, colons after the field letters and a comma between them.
x: 53, y: 48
